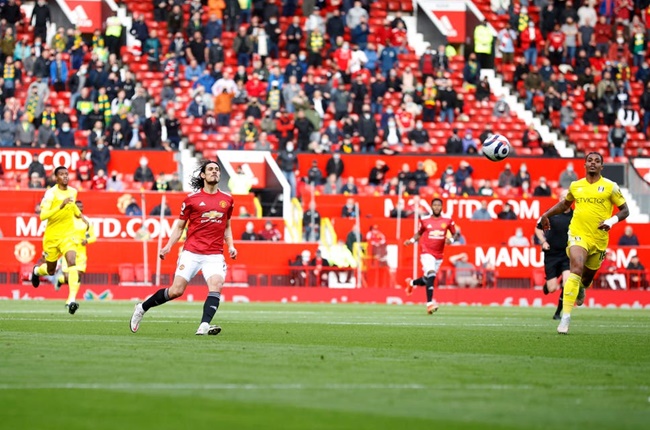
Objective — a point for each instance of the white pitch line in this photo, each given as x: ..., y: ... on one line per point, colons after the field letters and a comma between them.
x: 93, y: 319
x: 299, y: 387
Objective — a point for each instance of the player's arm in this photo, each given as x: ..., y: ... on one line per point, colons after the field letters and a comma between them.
x: 415, y: 237
x: 48, y: 209
x: 559, y: 208
x: 91, y: 237
x: 539, y: 233
x: 623, y: 212
x: 451, y: 228
x: 227, y: 237
x: 174, y: 236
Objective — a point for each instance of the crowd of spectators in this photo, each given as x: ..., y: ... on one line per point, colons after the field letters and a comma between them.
x: 580, y: 62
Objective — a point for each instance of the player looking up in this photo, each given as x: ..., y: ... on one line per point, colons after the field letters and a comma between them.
x: 594, y: 198
x: 60, y: 212
x: 206, y: 212
x: 83, y: 234
x: 432, y: 236
x: 556, y: 260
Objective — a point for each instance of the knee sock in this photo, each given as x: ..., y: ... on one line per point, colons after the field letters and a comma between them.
x: 571, y: 288
x: 41, y: 270
x: 73, y: 283
x: 560, y: 302
x: 159, y: 297
x: 429, y: 282
x: 210, y: 306
x: 419, y: 281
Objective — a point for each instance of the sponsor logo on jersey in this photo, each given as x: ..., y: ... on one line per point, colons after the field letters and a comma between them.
x: 212, y: 216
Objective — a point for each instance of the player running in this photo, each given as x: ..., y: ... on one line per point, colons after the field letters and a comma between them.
x: 556, y: 260
x: 594, y: 198
x: 207, y: 211
x: 83, y: 235
x: 433, y: 232
x: 60, y: 212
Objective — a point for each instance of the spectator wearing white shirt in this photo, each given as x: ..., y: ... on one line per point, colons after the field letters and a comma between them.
x: 628, y: 116
x: 225, y: 83
x: 353, y: 17
x: 518, y: 239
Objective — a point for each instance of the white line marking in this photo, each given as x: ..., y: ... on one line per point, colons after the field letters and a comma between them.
x: 298, y: 387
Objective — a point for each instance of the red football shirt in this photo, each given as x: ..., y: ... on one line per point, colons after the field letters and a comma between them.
x: 433, y: 233
x: 207, y: 215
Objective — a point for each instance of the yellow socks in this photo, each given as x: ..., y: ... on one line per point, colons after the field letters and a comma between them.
x: 73, y: 284
x: 571, y: 288
x: 41, y: 270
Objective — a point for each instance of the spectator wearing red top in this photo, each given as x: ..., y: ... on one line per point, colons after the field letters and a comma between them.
x: 531, y: 41
x: 555, y: 45
x: 99, y: 181
x: 398, y: 38
x: 270, y: 233
x: 84, y: 167
x: 602, y: 34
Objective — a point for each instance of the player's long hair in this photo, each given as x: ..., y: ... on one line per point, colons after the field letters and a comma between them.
x: 197, y: 182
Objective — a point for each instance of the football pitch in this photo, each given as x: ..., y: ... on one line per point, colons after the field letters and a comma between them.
x: 297, y: 366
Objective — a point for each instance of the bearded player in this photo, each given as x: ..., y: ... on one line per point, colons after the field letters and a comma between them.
x: 207, y: 213
x: 595, y: 198
x: 432, y: 236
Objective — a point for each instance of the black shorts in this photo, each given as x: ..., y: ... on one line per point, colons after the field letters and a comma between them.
x: 555, y: 264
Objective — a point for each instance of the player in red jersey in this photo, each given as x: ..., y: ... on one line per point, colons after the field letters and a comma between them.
x: 207, y: 211
x: 433, y: 234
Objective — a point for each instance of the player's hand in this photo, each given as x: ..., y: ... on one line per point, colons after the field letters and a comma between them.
x: 603, y: 226
x: 449, y: 241
x: 408, y: 242
x: 546, y: 246
x: 66, y: 201
x: 163, y: 252
x: 233, y: 252
x: 544, y: 221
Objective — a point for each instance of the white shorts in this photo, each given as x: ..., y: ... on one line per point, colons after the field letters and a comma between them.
x: 430, y: 264
x: 190, y: 263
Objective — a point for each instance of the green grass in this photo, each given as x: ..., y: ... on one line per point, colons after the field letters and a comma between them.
x: 288, y: 366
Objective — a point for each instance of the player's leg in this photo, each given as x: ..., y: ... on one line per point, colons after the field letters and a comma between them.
x: 187, y: 267
x: 421, y: 281
x: 560, y: 301
x: 592, y: 264
x: 577, y: 259
x: 214, y: 271
x: 51, y: 254
x: 430, y: 267
x: 73, y: 281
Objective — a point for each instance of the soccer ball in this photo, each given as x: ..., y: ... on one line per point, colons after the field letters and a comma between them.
x: 496, y: 147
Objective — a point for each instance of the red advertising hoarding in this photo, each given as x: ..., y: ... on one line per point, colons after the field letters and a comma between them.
x: 107, y: 202
x: 87, y: 15
x: 463, y: 297
x: 18, y: 159
x: 452, y: 17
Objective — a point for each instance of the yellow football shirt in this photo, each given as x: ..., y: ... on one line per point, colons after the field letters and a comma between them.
x: 594, y: 204
x: 60, y: 222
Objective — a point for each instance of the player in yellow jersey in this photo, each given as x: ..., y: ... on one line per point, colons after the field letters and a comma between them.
x: 59, y: 210
x: 594, y: 198
x: 84, y: 234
